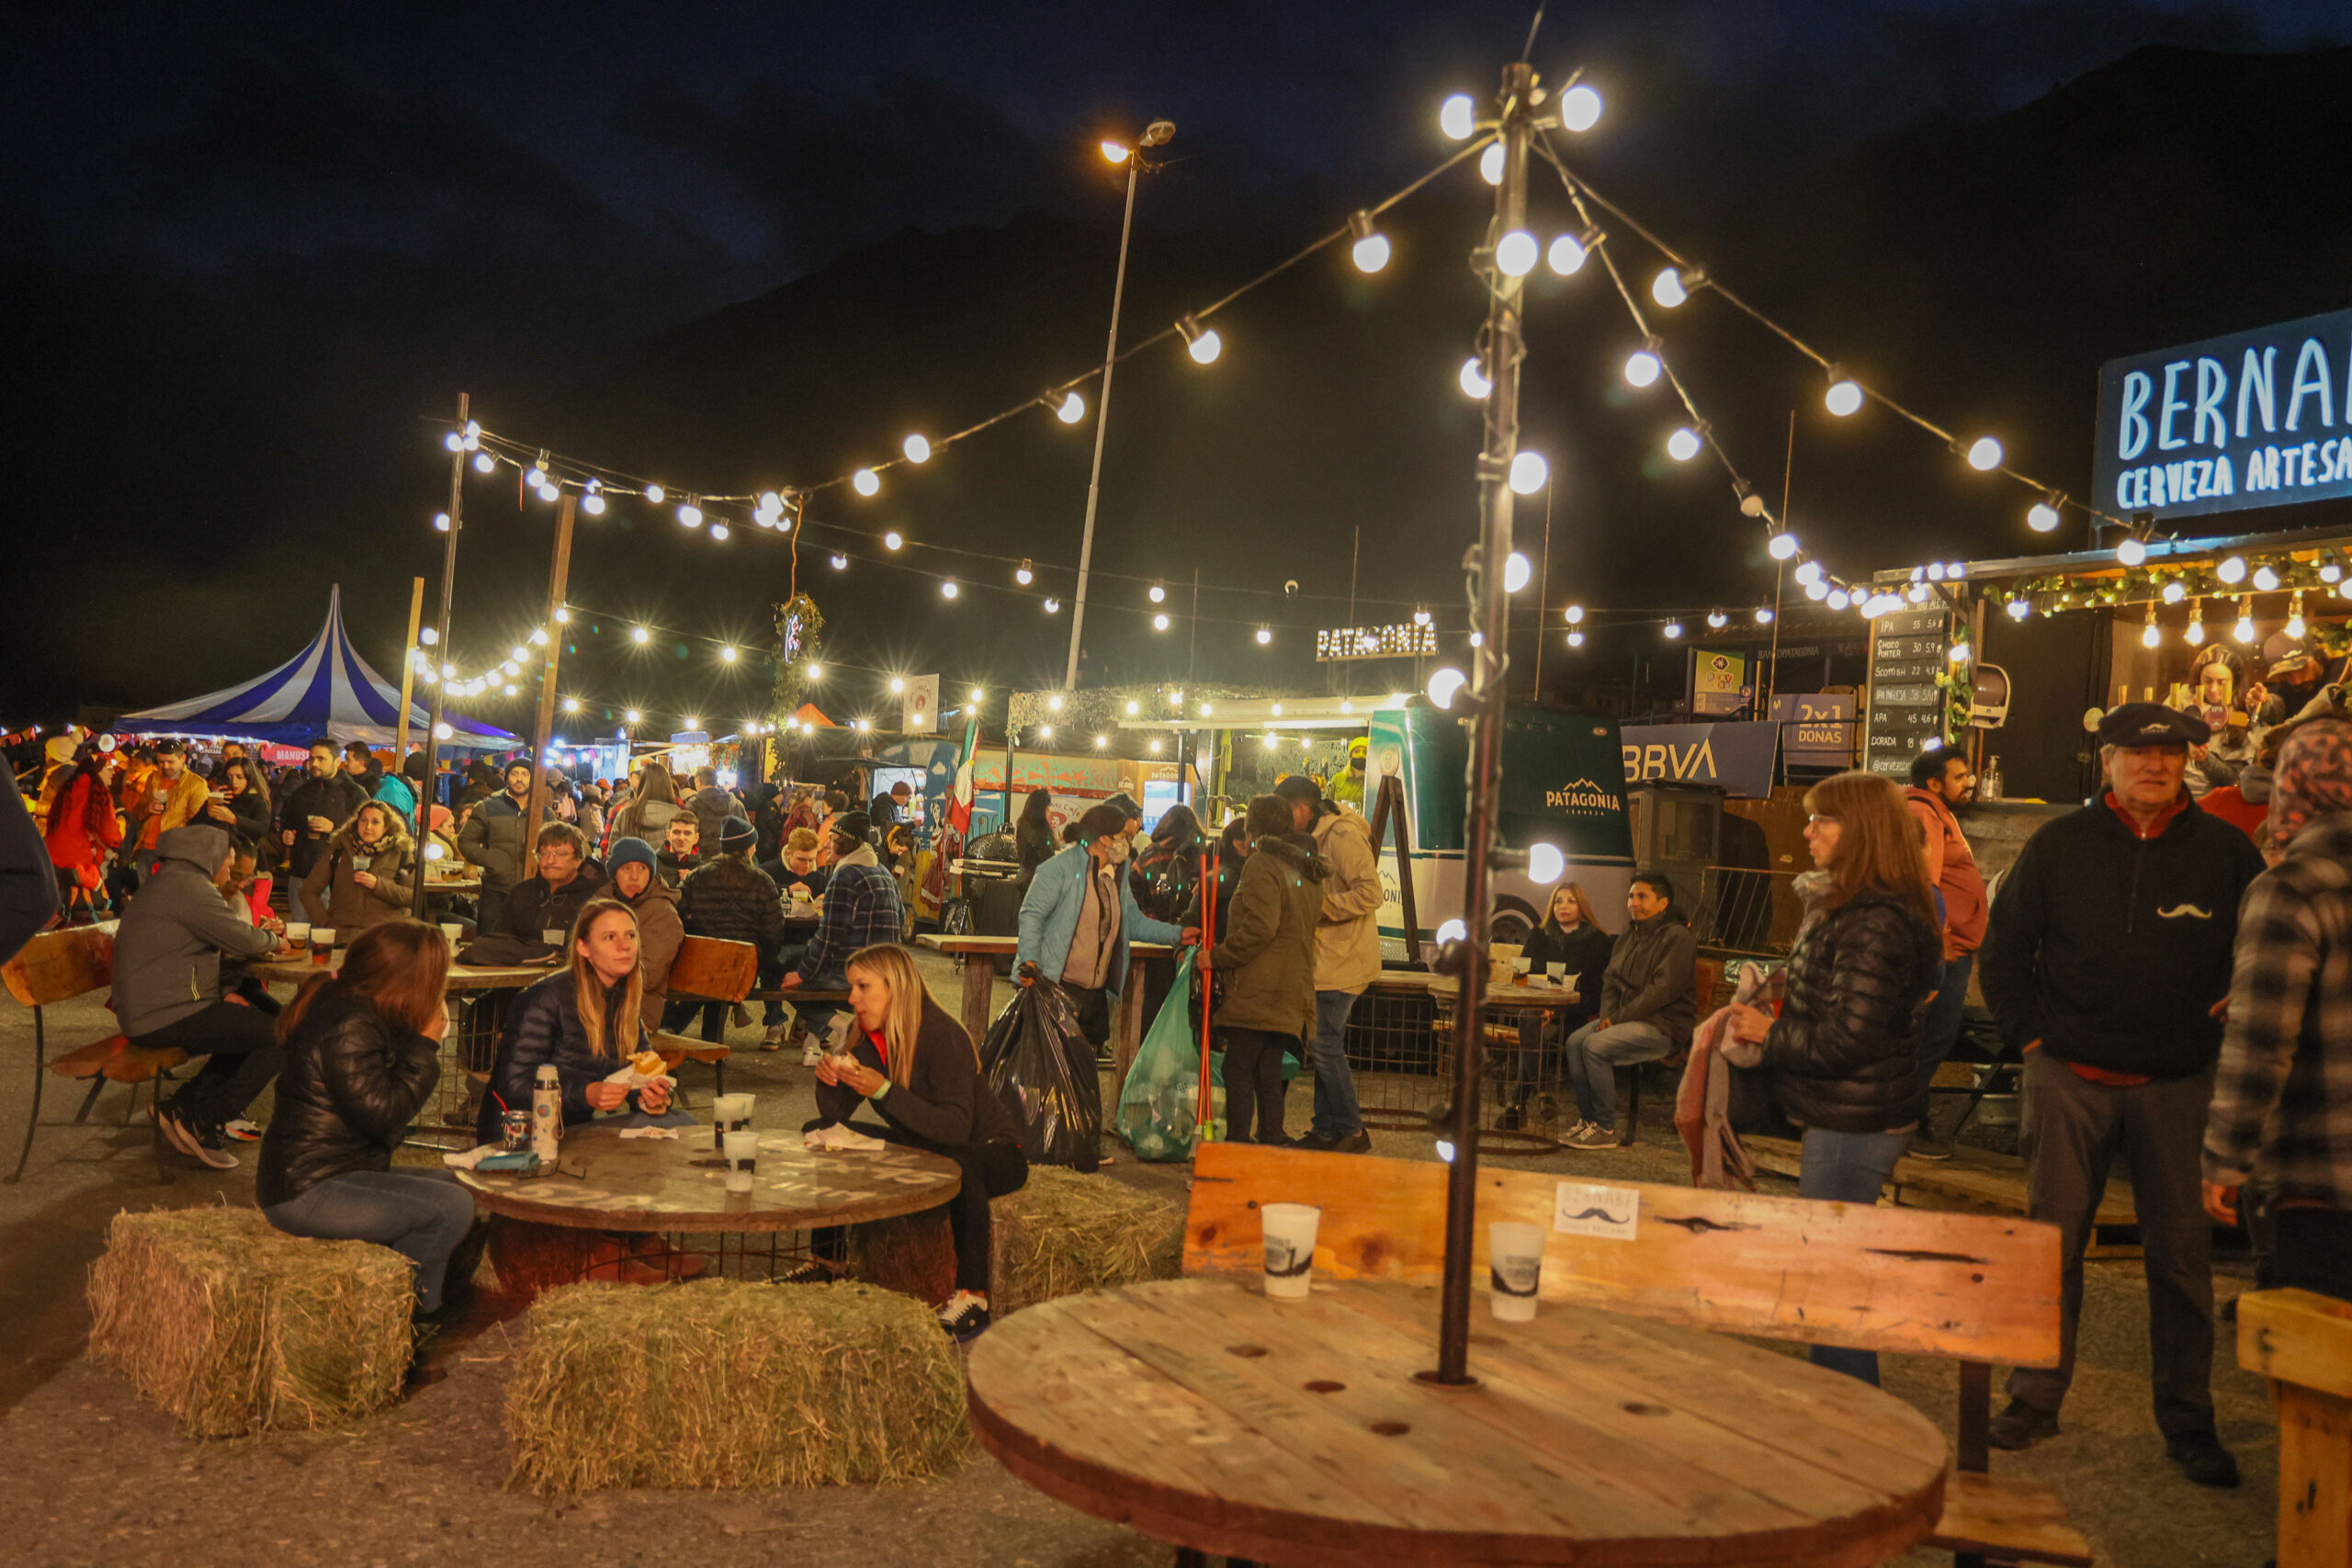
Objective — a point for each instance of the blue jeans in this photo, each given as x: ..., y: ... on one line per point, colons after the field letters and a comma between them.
x: 1594, y: 1055
x: 1848, y: 1168
x: 421, y: 1217
x: 1941, y: 1031
x: 1336, y: 1112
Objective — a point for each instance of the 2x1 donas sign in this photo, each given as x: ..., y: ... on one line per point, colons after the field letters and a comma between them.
x: 2253, y: 419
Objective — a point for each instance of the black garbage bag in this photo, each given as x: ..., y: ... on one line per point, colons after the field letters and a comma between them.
x: 1043, y: 1068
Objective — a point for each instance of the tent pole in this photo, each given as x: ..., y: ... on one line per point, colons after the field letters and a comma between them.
x: 543, y: 727
x: 433, y: 721
x: 408, y: 671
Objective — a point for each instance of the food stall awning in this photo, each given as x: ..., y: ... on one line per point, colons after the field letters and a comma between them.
x: 2161, y: 552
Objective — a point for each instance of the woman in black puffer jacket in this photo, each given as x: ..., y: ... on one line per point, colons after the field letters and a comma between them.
x: 1844, y: 1053
x: 363, y: 1053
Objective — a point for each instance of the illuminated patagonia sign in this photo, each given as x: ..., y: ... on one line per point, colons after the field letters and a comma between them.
x: 2261, y: 418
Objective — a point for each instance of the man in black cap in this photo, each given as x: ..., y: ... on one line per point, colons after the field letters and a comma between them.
x: 2107, y: 961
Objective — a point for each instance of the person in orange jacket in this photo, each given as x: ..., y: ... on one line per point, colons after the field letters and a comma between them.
x: 172, y: 797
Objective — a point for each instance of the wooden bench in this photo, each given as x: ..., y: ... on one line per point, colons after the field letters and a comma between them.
x: 59, y: 965
x: 1975, y: 1288
x: 2302, y: 1343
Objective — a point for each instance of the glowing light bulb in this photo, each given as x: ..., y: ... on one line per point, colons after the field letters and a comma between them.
x: 1201, y: 343
x: 655, y: 494
x: 1100, y: 741
x: 1207, y: 708
x: 2265, y: 578
x: 594, y: 506
x: 1673, y: 630
x: 1071, y: 409
x: 508, y: 688
x: 484, y: 462
x: 1474, y: 378
x: 1517, y: 571
x: 1265, y: 636
x: 1054, y: 702
x: 639, y: 635
x: 1985, y: 455
x: 948, y: 589
x: 1446, y: 684
x: 2130, y: 552
x: 571, y: 704
x: 1843, y: 398
x: 1490, y: 164
x: 718, y: 531
x: 690, y: 515
x: 1516, y: 253
x: 727, y: 655
x: 634, y: 716
x: 2232, y: 571
x: 693, y: 723
x: 1565, y: 255
x: 1667, y: 289
x: 893, y: 540
x: 454, y: 441
x: 1781, y: 547
x: 1545, y: 864
x: 1115, y: 152
x: 1529, y: 473
x: 442, y: 732
x: 1641, y: 368
x: 2041, y: 517
x: 1457, y: 117
x: 1716, y: 620
x: 1155, y: 746
x: 816, y: 670
x: 1053, y: 606
x: 1370, y: 253
x: 1576, y: 639
x: 917, y: 448
x: 1133, y: 708
x: 2295, y: 626
x: 1684, y: 444
x: 1024, y: 574
x: 1763, y: 616
x: 840, y: 562
x: 1816, y: 591
x: 1959, y: 652
x: 898, y: 684
x: 1808, y: 573
x: 1156, y: 593
x: 1160, y: 623
x: 427, y: 636
x: 1580, y: 109
x: 2195, y: 634
x: 1840, y: 599
x: 865, y: 481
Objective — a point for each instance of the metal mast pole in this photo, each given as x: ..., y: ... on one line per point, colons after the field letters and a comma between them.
x: 1101, y: 426
x: 440, y: 656
x: 1489, y: 663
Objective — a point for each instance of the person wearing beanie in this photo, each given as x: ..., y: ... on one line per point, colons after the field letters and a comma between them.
x: 1266, y: 958
x: 1079, y: 916
x: 860, y: 909
x: 729, y: 897
x: 2107, y: 963
x: 1347, y: 954
x: 637, y: 882
x: 2278, y: 1132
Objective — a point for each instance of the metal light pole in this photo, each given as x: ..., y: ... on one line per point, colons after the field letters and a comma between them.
x: 1154, y: 135
x: 1491, y: 608
x: 440, y: 653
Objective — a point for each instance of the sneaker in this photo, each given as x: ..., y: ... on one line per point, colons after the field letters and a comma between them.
x: 2020, y: 1427
x: 239, y: 1128
x: 774, y: 1039
x: 200, y: 1143
x: 965, y: 1316
x: 812, y: 1050
x: 1591, y: 1137
x: 2202, y: 1459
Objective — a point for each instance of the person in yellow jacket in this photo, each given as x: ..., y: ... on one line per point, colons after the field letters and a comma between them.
x: 172, y: 796
x: 1347, y: 788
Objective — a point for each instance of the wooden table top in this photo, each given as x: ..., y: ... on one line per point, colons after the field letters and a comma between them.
x: 662, y: 1184
x: 1535, y: 994
x: 462, y: 976
x: 1009, y: 945
x: 1205, y: 1415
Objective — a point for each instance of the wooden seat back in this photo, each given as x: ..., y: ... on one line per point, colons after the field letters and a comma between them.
x: 1981, y: 1288
x: 2302, y: 1342
x: 56, y: 965
x: 708, y: 966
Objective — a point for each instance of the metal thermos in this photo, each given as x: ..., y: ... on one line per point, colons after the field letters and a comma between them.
x: 546, y: 1116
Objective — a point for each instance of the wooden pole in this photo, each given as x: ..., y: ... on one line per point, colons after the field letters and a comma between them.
x: 441, y: 651
x: 544, y: 725
x: 408, y: 670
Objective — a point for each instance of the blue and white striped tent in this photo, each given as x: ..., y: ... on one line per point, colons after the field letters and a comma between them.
x: 326, y: 689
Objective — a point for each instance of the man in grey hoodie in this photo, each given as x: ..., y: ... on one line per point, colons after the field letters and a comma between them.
x: 168, y: 989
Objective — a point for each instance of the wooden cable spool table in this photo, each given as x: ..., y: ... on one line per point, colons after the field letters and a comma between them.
x: 1298, y: 1433
x: 658, y: 1187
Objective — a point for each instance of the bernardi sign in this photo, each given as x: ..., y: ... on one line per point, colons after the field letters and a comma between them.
x: 2260, y: 418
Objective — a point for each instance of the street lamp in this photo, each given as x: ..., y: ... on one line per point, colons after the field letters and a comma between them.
x: 1156, y: 134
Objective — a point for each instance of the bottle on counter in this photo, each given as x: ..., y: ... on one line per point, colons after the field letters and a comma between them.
x: 546, y: 1116
x: 1988, y: 783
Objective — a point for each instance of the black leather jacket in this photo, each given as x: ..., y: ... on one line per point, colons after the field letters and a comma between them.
x: 1845, y: 1050
x: 543, y: 1028
x: 351, y: 1084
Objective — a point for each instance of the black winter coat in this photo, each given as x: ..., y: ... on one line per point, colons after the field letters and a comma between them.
x: 945, y: 1102
x: 336, y: 800
x: 1845, y: 1050
x: 2112, y: 949
x: 532, y: 906
x: 1584, y: 950
x: 732, y: 900
x: 543, y: 1028
x: 352, y: 1083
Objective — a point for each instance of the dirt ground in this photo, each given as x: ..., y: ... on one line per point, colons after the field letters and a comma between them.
x: 103, y: 1478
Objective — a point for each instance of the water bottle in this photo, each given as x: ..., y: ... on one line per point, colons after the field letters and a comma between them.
x: 546, y: 1116
x: 1988, y: 783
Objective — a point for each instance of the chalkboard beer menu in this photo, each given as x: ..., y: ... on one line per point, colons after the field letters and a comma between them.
x: 1907, y: 707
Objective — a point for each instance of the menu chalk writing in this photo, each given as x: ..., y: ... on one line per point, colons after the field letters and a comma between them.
x: 1907, y: 707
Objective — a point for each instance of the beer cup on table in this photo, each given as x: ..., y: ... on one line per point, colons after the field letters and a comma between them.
x: 1514, y: 1269
x: 321, y: 944
x: 1290, y: 1249
x: 298, y: 936
x: 742, y: 1149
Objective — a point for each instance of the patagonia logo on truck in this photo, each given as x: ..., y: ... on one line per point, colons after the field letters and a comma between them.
x: 2185, y: 912
x: 1583, y: 795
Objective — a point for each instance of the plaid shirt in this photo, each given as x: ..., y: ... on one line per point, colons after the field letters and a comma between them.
x: 2281, y: 1117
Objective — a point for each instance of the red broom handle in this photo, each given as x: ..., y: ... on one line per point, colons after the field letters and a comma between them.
x: 1208, y: 940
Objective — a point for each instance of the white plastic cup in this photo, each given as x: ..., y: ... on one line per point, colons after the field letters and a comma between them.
x: 552, y: 937
x: 1514, y: 1269
x: 453, y: 932
x: 321, y: 944
x: 1556, y: 973
x: 298, y: 935
x: 728, y: 1113
x: 1290, y: 1249
x: 742, y: 1159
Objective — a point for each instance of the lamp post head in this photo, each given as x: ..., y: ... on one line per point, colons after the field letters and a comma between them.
x: 1159, y: 132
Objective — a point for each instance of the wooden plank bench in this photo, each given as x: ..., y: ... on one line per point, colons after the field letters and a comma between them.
x: 1977, y: 1289
x: 2302, y: 1342
x: 1977, y: 1180
x: 57, y: 966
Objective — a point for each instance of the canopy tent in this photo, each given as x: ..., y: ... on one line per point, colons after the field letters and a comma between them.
x: 327, y: 689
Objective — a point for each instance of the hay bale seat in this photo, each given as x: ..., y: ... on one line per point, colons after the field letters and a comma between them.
x: 1063, y: 1233
x: 726, y: 1382
x: 234, y: 1326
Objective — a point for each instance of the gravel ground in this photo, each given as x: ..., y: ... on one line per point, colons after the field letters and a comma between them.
x: 113, y: 1484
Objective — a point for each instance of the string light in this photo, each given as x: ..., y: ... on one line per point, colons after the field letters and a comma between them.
x: 1370, y: 251
x: 1102, y: 740
x: 484, y: 462
x: 1684, y: 444
x: 1716, y: 620
x: 689, y: 515
x: 1490, y: 164
x: 898, y: 684
x: 840, y: 561
x: 592, y: 504
x: 1576, y: 639
x: 2149, y: 636
x: 1673, y: 630
x: 917, y: 448
x: 718, y: 531
x: 2244, y: 630
x: 2042, y: 515
x: 1474, y: 378
x: 1763, y: 615
x: 893, y: 540
x: 2130, y: 552
x: 727, y: 655
x: 1782, y: 546
x: 1579, y: 108
x: 2295, y: 626
x: 1160, y: 623
x: 2018, y: 610
x: 654, y: 496
x: 1265, y: 636
x: 1201, y: 343
x: 865, y: 481
x: 639, y: 635
x: 1529, y: 473
x: 2232, y: 571
x: 1984, y: 454
x: 2175, y: 591
x: 1053, y: 606
x: 1669, y: 289
x: 1024, y: 574
x: 1156, y: 593
x: 2265, y: 578
x: 571, y: 704
x: 1054, y: 702
x: 1516, y: 253
x: 1071, y: 409
x: 948, y: 589
x: 1457, y: 117
x: 427, y: 636
x: 1517, y: 572
x: 1446, y: 684
x: 1574, y: 614
x: 816, y: 670
x: 1566, y: 255
x: 440, y: 522
x: 1641, y: 368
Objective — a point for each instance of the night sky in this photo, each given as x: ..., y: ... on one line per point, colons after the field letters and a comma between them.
x: 252, y: 248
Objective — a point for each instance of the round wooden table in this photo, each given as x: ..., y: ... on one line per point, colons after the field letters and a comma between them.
x: 1204, y: 1414
x: 604, y: 1182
